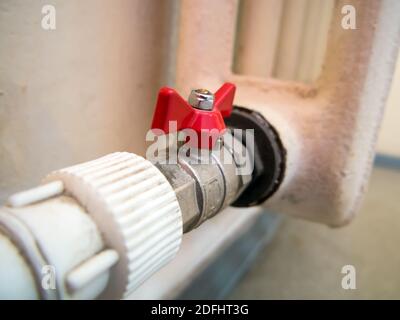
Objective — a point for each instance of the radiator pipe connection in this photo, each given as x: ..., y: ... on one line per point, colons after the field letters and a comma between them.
x: 100, y: 228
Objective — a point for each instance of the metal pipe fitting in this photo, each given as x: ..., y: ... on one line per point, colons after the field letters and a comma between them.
x: 207, y: 181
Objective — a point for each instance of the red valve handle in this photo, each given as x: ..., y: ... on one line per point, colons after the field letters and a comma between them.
x: 208, y: 125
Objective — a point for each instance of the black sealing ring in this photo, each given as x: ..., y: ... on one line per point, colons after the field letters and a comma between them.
x: 269, y: 156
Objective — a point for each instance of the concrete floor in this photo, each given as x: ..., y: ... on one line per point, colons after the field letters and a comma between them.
x: 304, y: 261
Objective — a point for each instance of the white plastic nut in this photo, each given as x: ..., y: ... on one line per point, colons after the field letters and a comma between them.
x: 136, y: 210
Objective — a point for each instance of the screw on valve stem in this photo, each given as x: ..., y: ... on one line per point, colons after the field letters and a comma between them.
x: 202, y: 99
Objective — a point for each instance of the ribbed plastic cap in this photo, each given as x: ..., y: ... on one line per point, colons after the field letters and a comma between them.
x: 136, y: 210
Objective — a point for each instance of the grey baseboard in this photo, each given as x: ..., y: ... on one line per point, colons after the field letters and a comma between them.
x: 387, y: 161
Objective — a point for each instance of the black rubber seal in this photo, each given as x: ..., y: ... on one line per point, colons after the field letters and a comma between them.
x: 269, y: 156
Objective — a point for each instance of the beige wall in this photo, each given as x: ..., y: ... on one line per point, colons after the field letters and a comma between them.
x: 80, y: 91
x: 389, y: 136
